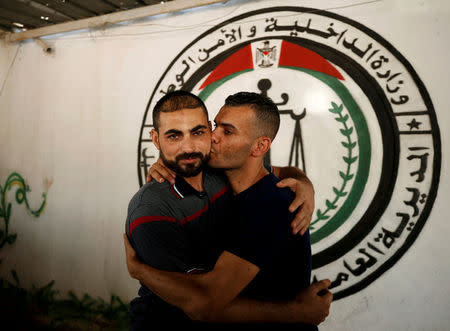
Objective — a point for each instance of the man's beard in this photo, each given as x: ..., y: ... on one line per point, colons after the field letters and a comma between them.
x: 190, y: 170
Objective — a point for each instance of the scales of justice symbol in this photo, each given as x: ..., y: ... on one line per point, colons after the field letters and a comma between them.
x: 297, y: 149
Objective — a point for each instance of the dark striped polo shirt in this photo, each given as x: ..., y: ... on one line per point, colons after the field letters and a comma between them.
x: 172, y: 227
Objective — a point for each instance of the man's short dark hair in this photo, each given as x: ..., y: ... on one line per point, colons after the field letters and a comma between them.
x: 266, y: 111
x: 176, y: 100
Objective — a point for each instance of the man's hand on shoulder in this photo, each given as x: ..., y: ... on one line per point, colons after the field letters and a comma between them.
x: 159, y: 172
x: 304, y: 198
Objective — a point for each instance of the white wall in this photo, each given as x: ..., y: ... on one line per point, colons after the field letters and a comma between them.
x: 413, y: 295
x: 74, y: 117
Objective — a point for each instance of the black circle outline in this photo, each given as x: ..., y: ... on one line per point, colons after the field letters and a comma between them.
x: 423, y: 92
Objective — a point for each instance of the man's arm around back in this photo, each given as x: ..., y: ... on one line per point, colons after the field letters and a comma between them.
x: 213, y: 296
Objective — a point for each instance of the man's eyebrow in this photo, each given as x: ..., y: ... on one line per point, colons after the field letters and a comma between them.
x: 198, y: 127
x: 172, y: 131
x: 227, y: 125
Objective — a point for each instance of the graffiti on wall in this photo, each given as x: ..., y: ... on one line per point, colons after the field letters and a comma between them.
x: 16, y: 181
x: 355, y: 116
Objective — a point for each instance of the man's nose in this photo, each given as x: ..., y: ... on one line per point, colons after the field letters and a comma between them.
x: 188, y: 145
x: 215, y: 137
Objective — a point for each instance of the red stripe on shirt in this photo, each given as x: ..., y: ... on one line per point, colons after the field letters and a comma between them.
x: 201, y: 211
x: 197, y: 214
x: 145, y: 219
x: 219, y: 194
x: 194, y: 216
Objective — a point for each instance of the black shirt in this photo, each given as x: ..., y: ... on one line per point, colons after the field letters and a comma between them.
x: 258, y: 229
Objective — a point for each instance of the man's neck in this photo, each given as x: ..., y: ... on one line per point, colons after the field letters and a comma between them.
x: 196, y: 181
x: 242, y: 178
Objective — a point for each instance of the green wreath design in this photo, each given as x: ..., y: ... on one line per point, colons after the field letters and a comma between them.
x: 349, y: 160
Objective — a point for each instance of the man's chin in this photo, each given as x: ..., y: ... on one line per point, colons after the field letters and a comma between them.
x: 186, y: 169
x: 191, y: 172
x: 216, y: 165
x: 212, y: 162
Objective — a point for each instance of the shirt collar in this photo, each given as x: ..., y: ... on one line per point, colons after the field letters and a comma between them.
x: 182, y: 189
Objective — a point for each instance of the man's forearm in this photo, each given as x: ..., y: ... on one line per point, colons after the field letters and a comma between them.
x: 177, y: 289
x: 180, y: 291
x: 183, y: 292
x: 290, y: 172
x: 244, y: 310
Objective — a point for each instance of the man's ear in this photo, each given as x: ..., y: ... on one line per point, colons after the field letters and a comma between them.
x: 155, y: 138
x: 260, y: 146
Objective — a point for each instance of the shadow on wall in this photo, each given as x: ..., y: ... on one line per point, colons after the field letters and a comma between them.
x: 38, y: 309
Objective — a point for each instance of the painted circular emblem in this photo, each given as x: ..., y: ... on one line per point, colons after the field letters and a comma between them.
x: 354, y: 116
